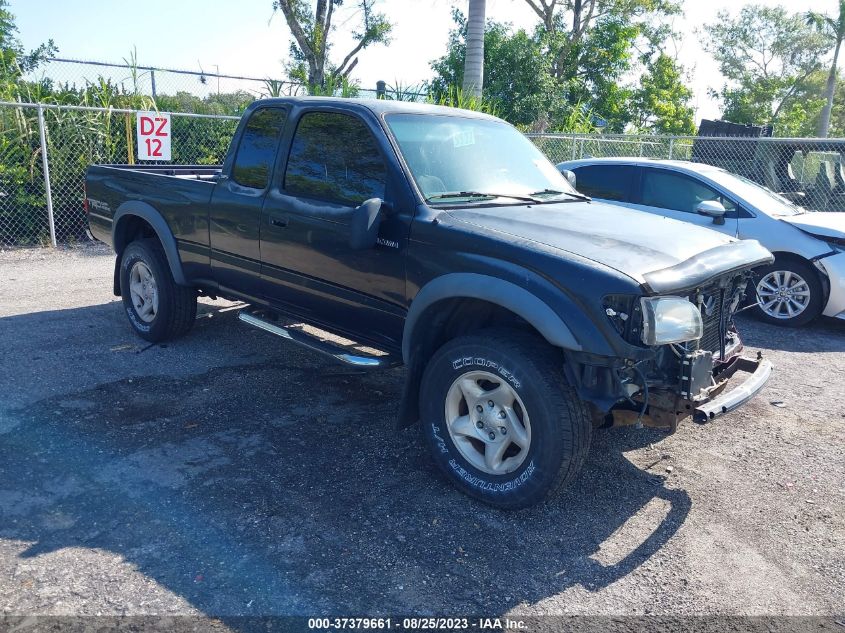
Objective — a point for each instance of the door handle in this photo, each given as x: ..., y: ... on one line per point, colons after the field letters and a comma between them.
x: 278, y: 221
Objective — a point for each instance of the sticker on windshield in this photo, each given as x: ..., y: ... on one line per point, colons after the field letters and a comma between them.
x: 464, y: 138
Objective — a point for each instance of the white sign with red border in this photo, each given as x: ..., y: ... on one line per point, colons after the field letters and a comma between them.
x: 153, y: 132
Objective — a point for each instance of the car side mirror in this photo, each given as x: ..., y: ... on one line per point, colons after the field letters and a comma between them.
x: 570, y: 176
x: 365, y: 223
x: 712, y: 209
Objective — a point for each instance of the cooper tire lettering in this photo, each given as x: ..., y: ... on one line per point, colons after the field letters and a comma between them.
x: 488, y: 486
x: 553, y: 426
x: 479, y: 361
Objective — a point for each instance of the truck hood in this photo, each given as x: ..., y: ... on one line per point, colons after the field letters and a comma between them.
x: 819, y: 223
x: 658, y: 252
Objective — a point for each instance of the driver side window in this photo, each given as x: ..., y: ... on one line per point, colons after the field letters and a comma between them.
x: 669, y: 190
x: 334, y: 157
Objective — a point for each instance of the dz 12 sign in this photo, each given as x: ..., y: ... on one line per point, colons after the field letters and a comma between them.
x: 153, y: 132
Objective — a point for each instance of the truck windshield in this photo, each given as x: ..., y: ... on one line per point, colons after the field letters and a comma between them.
x: 455, y: 158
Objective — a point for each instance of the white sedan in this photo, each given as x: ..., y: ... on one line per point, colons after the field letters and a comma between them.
x: 808, y: 276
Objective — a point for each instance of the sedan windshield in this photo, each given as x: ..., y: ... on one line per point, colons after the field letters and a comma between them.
x: 756, y: 195
x: 454, y: 158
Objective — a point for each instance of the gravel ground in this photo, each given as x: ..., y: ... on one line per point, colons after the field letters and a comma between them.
x: 230, y: 473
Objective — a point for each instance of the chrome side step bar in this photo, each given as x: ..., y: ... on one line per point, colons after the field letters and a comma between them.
x: 345, y: 355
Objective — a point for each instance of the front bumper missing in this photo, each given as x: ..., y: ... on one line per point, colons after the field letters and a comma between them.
x: 667, y: 408
x: 760, y: 370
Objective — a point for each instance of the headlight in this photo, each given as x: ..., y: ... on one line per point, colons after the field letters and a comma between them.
x: 670, y: 320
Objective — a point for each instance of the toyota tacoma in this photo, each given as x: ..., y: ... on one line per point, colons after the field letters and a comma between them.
x: 442, y: 240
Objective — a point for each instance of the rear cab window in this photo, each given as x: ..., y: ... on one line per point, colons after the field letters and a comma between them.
x: 334, y: 157
x: 607, y: 182
x: 257, y: 149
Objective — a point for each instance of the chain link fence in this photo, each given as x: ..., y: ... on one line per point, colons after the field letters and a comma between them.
x: 23, y: 207
x: 45, y: 150
x: 42, y: 190
x: 808, y: 171
x: 200, y: 91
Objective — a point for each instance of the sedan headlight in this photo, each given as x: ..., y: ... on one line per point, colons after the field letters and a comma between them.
x: 670, y: 320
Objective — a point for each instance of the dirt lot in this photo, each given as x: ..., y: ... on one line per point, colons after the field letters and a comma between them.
x: 230, y: 473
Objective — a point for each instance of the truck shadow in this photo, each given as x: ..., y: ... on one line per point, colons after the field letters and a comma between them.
x: 280, y: 486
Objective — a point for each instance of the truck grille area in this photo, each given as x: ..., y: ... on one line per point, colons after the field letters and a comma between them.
x: 717, y: 303
x: 712, y: 314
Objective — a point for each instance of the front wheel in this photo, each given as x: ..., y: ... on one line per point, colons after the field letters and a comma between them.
x: 788, y: 293
x: 501, y: 420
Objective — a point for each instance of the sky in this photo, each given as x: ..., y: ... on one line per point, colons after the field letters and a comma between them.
x: 244, y: 37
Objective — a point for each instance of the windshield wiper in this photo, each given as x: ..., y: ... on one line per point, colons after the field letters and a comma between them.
x: 479, y: 194
x: 555, y: 192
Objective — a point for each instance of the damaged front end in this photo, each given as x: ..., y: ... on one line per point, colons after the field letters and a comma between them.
x: 684, y: 378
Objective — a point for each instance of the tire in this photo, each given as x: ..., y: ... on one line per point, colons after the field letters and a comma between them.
x: 545, y: 411
x: 161, y: 310
x: 788, y: 275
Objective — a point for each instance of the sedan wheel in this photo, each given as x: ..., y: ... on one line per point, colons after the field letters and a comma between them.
x: 783, y: 294
x: 789, y: 292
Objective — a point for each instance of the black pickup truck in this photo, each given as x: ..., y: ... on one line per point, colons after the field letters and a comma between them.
x: 442, y: 240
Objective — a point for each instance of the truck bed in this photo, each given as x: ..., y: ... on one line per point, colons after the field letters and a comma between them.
x: 180, y: 194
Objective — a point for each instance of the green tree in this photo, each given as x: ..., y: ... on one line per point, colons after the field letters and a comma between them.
x: 568, y: 24
x: 518, y: 81
x: 312, y: 33
x: 837, y: 113
x: 601, y: 59
x: 660, y: 103
x: 532, y: 88
x: 834, y: 28
x: 15, y: 62
x: 768, y: 57
x: 595, y: 44
x: 21, y: 215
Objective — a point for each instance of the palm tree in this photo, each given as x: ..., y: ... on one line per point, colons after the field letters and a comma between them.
x: 474, y: 60
x: 835, y: 27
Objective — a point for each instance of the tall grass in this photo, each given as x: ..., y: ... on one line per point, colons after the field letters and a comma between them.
x: 455, y: 97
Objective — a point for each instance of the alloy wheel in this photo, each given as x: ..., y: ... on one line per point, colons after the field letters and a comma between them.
x: 488, y: 422
x: 143, y: 291
x: 783, y: 294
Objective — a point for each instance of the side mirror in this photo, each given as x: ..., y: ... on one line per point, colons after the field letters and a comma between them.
x: 712, y: 209
x: 569, y: 175
x: 364, y: 226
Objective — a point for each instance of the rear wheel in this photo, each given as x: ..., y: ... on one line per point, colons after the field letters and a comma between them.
x: 158, y: 308
x: 788, y: 293
x: 500, y: 418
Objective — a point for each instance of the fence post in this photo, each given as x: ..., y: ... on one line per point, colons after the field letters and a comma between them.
x: 153, y: 83
x: 130, y: 152
x: 381, y: 89
x: 42, y: 132
x: 671, y: 146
